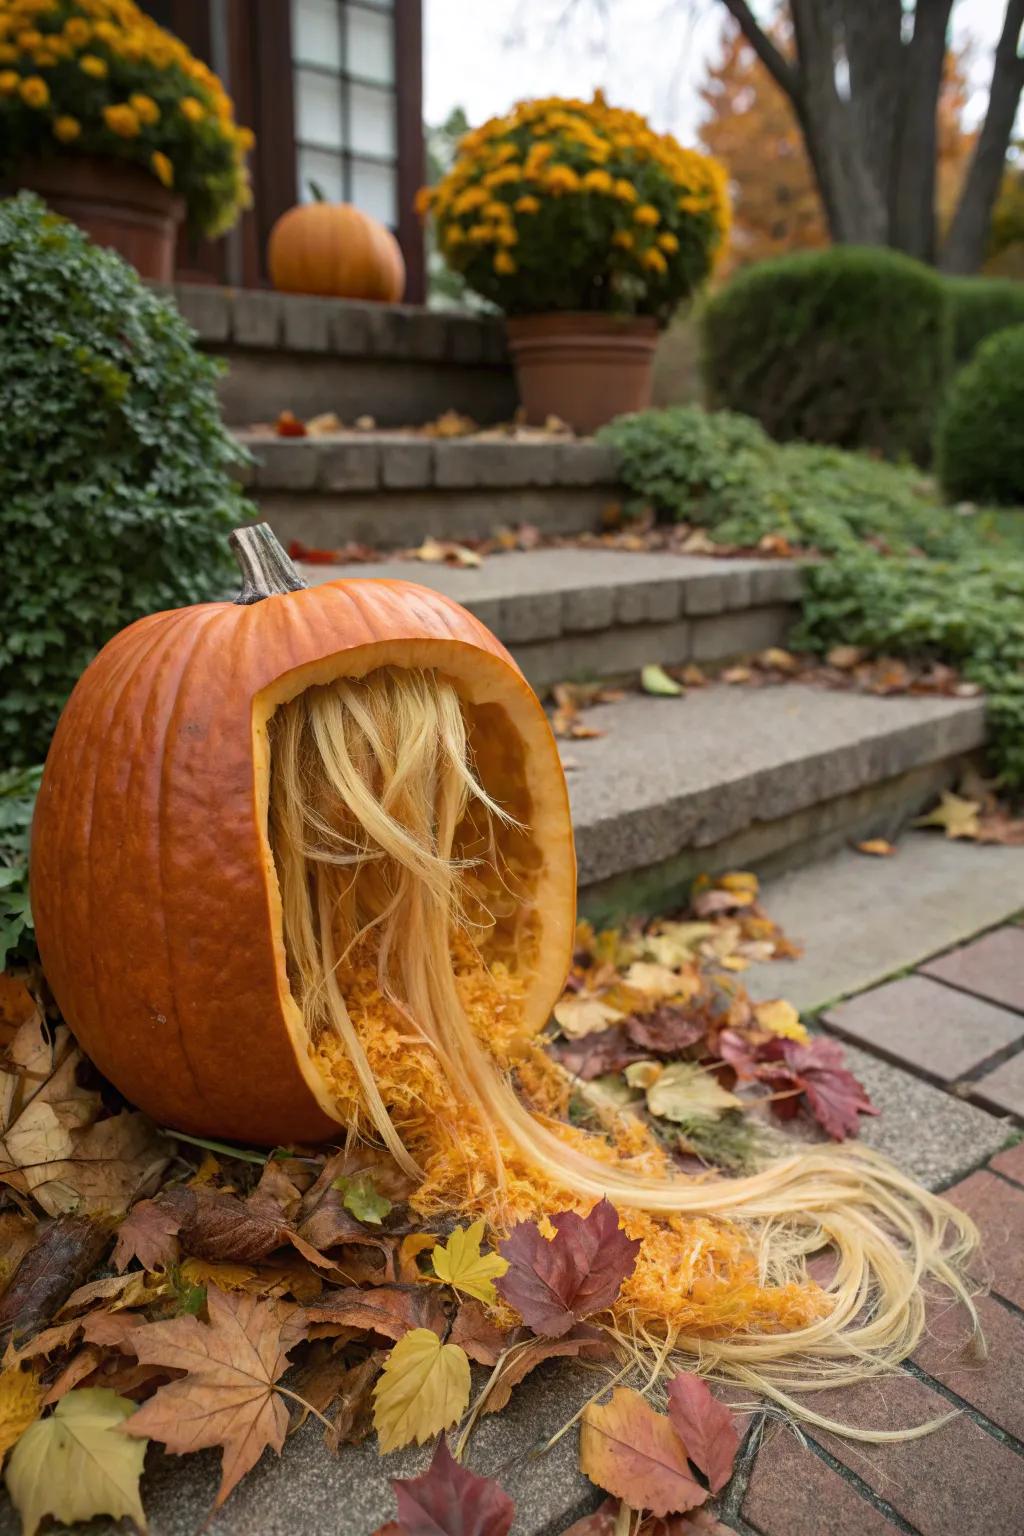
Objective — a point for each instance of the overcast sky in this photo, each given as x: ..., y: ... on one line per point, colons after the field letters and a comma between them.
x: 650, y: 54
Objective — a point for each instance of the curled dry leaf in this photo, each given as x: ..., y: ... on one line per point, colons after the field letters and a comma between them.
x: 554, y: 1283
x: 483, y: 1341
x: 583, y: 1014
x: 706, y: 1427
x: 423, y: 1388
x: 353, y: 1418
x: 460, y: 1264
x: 227, y: 1397
x: 668, y: 1030
x: 68, y: 1249
x: 629, y: 1450
x: 390, y: 1310
x: 148, y: 1233
x: 449, y: 1500
x: 877, y: 848
x: 21, y: 1398
x: 78, y: 1463
x: 655, y: 680
x: 583, y: 1343
x: 221, y: 1228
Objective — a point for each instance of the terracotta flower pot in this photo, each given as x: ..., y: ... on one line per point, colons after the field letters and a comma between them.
x: 117, y: 204
x: 584, y: 368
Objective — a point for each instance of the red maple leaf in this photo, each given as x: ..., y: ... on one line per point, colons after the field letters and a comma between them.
x: 449, y: 1500
x: 552, y: 1284
x: 834, y: 1096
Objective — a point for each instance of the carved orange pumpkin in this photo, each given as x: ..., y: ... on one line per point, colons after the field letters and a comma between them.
x: 336, y: 251
x: 156, y: 899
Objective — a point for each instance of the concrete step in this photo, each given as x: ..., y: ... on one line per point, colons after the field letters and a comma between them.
x: 734, y: 777
x: 593, y: 613
x: 393, y: 490
x: 395, y: 362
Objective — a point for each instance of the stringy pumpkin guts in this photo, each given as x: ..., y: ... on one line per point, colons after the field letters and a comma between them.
x: 400, y: 826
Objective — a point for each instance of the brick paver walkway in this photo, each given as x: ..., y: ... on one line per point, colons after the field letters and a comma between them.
x: 958, y: 1021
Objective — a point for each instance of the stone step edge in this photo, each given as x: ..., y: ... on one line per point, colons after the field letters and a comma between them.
x: 400, y: 461
x: 260, y: 319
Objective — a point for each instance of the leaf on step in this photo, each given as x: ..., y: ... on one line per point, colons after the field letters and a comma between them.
x: 835, y: 1097
x: 584, y: 1342
x: 78, y: 1463
x: 460, y: 1264
x: 629, y: 1450
x: 779, y: 1017
x: 353, y: 1417
x: 554, y: 1283
x: 482, y: 1340
x: 226, y: 1398
x: 876, y: 848
x: 957, y: 817
x: 706, y: 1427
x: 389, y: 1310
x: 66, y: 1251
x: 603, y: 1522
x: 423, y: 1388
x: 449, y: 1500
x: 685, y: 1091
x: 654, y: 679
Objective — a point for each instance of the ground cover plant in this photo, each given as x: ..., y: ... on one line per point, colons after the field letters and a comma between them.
x: 115, y: 470
x: 906, y: 574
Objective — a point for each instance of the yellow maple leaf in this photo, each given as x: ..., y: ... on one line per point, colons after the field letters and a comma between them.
x: 77, y: 1463
x: 423, y: 1388
x: 581, y: 1013
x: 20, y: 1401
x: 958, y: 817
x: 461, y: 1264
x: 780, y: 1018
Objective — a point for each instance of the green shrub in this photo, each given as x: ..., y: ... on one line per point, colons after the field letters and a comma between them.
x: 114, y: 466
x: 980, y: 441
x: 18, y: 788
x: 849, y: 346
x: 980, y: 306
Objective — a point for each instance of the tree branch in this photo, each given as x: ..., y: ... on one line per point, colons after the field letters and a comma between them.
x: 781, y: 70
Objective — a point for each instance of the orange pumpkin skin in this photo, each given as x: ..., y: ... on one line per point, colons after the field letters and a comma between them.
x: 155, y: 899
x: 337, y: 251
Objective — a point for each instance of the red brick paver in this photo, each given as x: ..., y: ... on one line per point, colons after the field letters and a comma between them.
x: 1010, y: 1163
x: 933, y: 1029
x: 792, y: 1492
x: 995, y: 1386
x: 1003, y: 1089
x: 993, y: 967
x: 957, y: 1481
x: 998, y: 1208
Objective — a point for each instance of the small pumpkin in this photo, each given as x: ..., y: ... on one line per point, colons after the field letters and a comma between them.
x: 157, y: 905
x: 335, y: 250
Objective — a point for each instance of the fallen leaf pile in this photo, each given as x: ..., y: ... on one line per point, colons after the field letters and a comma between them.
x: 171, y: 1289
x: 980, y: 820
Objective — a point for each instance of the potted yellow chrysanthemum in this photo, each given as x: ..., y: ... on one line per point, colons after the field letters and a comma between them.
x: 588, y: 229
x: 115, y: 123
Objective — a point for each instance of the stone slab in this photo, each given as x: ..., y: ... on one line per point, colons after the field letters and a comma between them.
x: 959, y: 1479
x: 794, y: 1492
x: 1003, y: 1089
x: 1010, y: 1163
x: 862, y: 920
x: 992, y: 967
x: 998, y: 1209
x: 935, y: 1030
x: 684, y: 773
x: 930, y: 1134
x: 950, y: 1354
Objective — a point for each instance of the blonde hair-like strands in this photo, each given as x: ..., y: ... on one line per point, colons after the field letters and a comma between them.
x: 371, y: 781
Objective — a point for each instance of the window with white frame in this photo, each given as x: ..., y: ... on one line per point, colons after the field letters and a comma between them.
x: 346, y: 131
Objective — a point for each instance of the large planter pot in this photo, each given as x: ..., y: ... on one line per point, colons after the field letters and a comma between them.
x: 117, y: 204
x: 583, y: 368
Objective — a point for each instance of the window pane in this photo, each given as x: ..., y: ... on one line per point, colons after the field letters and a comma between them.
x: 325, y: 169
x: 371, y: 120
x: 318, y: 108
x: 375, y: 191
x: 316, y: 32
x: 369, y: 44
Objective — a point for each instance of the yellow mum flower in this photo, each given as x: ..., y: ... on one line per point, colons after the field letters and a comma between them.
x: 504, y: 263
x: 473, y: 197
x: 77, y: 30
x: 480, y: 234
x: 496, y: 210
x: 145, y: 108
x: 454, y: 235
x: 693, y: 202
x: 623, y: 239
x: 28, y: 40
x: 66, y: 129
x: 34, y: 91
x: 7, y: 53
x: 162, y: 167
x: 503, y: 176
x: 122, y: 120
x: 506, y: 235
x: 527, y: 204
x: 9, y: 81
x: 646, y: 214
x: 505, y: 152
x: 192, y: 108
x: 668, y: 242
x: 561, y: 178
x: 90, y: 64
x: 624, y: 190
x: 655, y: 260
x: 597, y: 181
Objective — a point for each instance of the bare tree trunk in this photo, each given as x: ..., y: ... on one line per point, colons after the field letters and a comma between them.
x: 912, y: 176
x: 964, y: 250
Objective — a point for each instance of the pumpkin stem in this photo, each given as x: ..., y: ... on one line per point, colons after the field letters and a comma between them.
x: 316, y: 192
x: 266, y: 569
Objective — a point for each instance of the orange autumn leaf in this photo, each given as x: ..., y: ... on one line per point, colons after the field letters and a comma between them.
x: 629, y: 1450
